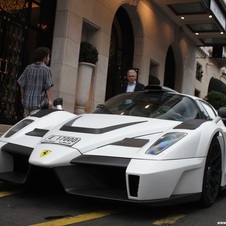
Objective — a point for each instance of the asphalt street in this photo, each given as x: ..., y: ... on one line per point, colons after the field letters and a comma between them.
x: 50, y: 205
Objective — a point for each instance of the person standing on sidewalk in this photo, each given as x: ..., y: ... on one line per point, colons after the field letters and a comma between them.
x: 35, y: 83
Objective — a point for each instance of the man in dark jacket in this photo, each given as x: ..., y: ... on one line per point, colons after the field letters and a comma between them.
x: 132, y: 85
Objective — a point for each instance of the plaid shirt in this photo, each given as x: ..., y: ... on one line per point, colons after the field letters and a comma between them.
x: 35, y: 80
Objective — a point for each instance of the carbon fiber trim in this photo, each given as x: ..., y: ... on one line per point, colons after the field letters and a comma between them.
x: 37, y: 132
x: 101, y: 160
x: 96, y: 130
x: 130, y: 142
x: 17, y: 149
x: 191, y: 124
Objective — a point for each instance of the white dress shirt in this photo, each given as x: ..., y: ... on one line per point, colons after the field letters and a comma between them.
x: 131, y: 87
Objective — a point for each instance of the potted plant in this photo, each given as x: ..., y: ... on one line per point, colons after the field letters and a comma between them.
x: 88, y: 57
x: 88, y: 53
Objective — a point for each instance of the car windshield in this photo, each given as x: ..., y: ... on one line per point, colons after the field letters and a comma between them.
x: 162, y: 105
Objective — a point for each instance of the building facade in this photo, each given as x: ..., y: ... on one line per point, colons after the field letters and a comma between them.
x: 148, y: 35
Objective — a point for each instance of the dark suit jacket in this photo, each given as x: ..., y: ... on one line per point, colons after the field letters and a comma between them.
x: 138, y: 87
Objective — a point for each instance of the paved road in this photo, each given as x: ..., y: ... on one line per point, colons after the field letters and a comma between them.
x: 20, y: 206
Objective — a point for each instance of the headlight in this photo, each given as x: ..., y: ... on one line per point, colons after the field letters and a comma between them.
x: 18, y: 127
x: 165, y: 142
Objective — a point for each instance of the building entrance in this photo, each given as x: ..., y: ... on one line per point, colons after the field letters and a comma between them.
x: 11, y: 44
x: 169, y: 75
x: 121, y: 52
x: 25, y: 25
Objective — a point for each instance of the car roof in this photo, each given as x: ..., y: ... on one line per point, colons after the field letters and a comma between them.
x: 159, y: 88
x: 151, y: 88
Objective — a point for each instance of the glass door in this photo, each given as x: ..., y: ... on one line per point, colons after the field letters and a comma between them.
x: 11, y: 46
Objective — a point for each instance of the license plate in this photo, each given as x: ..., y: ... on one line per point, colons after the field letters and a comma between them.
x: 64, y: 140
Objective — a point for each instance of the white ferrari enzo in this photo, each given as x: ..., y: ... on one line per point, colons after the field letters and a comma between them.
x: 155, y: 146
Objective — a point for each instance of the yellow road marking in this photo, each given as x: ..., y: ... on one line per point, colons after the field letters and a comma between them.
x: 79, y: 218
x: 8, y: 193
x: 168, y: 220
x: 93, y: 215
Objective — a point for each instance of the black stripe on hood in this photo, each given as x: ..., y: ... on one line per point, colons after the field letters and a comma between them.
x: 130, y: 142
x: 67, y: 127
x: 191, y: 124
x: 37, y: 132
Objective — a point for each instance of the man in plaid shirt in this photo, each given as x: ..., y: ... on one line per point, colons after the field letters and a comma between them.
x: 36, y: 82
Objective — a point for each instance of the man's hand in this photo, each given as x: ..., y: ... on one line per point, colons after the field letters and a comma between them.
x: 50, y: 104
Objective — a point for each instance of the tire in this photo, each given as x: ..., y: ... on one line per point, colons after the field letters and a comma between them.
x: 212, y: 174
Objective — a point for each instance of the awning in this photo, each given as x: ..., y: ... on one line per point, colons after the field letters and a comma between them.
x: 204, y: 21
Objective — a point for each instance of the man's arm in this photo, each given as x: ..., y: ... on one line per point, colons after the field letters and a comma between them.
x: 49, y: 97
x: 21, y: 94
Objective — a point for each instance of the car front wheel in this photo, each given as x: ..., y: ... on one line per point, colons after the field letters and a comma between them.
x: 212, y: 174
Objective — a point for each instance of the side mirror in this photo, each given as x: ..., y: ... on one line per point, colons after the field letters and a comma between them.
x: 58, y: 103
x: 222, y: 112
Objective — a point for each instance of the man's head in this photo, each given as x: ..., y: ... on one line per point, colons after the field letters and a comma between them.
x: 42, y: 54
x: 131, y: 75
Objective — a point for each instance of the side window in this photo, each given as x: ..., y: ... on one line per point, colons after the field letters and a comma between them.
x: 207, y: 111
x: 186, y: 109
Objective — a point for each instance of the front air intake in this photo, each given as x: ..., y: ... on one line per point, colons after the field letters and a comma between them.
x: 133, y: 185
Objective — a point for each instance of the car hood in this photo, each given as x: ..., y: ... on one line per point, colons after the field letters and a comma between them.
x: 97, y: 130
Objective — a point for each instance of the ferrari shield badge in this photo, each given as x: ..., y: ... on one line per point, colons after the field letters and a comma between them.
x: 44, y: 153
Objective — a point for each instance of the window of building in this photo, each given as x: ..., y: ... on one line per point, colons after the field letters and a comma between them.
x: 199, y: 71
x: 153, y: 73
x: 197, y: 93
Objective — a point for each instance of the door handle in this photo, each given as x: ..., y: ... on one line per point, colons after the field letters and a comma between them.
x: 6, y: 67
x: 3, y: 66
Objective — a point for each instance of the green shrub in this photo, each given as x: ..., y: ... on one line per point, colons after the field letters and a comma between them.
x: 153, y: 80
x: 216, y: 99
x: 88, y: 53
